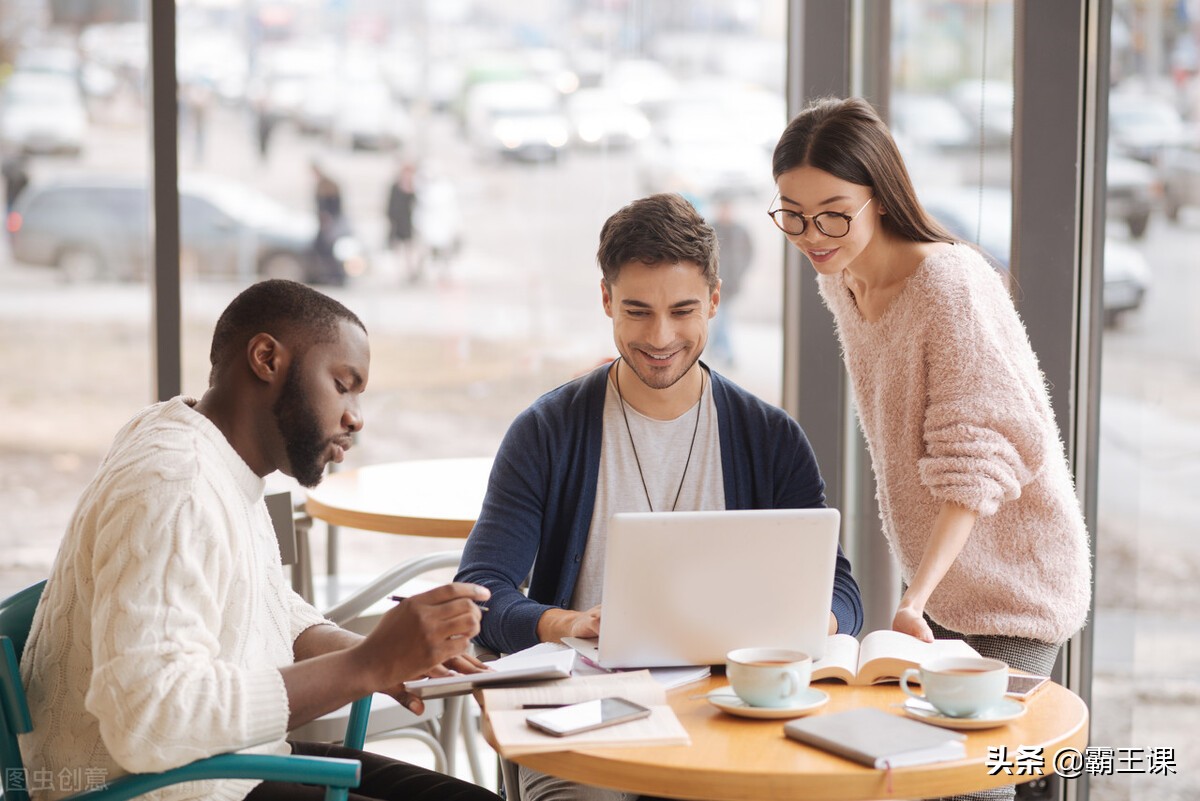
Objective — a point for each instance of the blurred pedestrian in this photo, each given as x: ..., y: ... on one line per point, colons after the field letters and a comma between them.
x: 736, y: 255
x: 15, y: 169
x: 264, y: 123
x: 402, y: 200
x: 196, y: 101
x: 331, y: 225
x: 438, y: 221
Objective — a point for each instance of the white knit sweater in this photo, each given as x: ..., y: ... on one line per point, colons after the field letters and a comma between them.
x: 954, y: 408
x: 166, y: 617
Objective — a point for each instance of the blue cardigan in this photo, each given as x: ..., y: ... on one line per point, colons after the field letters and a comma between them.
x: 542, y: 489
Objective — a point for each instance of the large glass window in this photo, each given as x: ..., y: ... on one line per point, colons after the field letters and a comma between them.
x: 445, y: 168
x: 75, y: 337
x: 1146, y: 620
x: 951, y: 112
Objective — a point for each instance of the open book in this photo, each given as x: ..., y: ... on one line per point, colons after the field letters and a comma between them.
x: 505, y: 714
x: 542, y: 661
x: 881, y: 656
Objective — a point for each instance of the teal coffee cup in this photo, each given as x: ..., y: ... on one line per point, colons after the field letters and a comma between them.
x: 768, y: 677
x: 960, y: 686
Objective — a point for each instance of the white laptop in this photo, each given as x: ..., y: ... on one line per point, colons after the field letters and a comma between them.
x: 685, y: 588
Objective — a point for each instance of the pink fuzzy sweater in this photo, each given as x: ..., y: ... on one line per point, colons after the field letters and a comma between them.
x: 954, y: 408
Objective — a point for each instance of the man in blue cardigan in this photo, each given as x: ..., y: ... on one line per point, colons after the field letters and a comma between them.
x: 656, y: 430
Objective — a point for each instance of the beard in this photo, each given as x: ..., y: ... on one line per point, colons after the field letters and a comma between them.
x: 659, y: 379
x: 301, y: 430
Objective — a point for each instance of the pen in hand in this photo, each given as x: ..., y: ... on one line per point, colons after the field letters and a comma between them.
x: 400, y: 598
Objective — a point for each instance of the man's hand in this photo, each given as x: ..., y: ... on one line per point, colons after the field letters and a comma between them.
x: 427, y: 633
x: 460, y: 664
x: 555, y: 624
x: 464, y: 663
x: 422, y: 634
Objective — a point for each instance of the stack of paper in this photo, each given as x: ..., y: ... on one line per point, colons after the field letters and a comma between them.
x: 505, y: 715
x: 669, y: 677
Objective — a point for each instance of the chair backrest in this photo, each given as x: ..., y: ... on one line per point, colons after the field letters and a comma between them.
x: 16, y: 618
x: 279, y: 506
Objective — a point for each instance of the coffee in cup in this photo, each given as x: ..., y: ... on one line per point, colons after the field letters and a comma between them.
x: 768, y: 677
x: 960, y: 686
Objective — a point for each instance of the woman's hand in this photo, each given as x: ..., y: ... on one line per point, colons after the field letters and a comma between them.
x: 951, y: 529
x: 910, y: 620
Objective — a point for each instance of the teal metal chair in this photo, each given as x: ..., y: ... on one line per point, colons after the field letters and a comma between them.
x: 16, y: 618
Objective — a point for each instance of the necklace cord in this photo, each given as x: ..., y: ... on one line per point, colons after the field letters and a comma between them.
x: 629, y: 431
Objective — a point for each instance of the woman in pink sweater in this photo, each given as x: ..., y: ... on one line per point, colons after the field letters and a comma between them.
x: 974, y: 491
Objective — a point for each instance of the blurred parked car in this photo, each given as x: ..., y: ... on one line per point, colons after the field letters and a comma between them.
x: 119, y: 47
x: 1133, y: 191
x: 713, y: 138
x: 599, y: 118
x: 1142, y: 125
x: 641, y: 82
x: 701, y: 154
x: 367, y: 118
x: 1126, y: 273
x: 1126, y: 279
x: 49, y: 59
x: 930, y: 121
x: 42, y: 112
x: 283, y: 75
x: 750, y: 113
x: 214, y: 58
x: 518, y: 119
x: 95, y: 228
x: 1180, y: 171
x: 485, y: 65
x: 315, y: 110
x: 986, y: 105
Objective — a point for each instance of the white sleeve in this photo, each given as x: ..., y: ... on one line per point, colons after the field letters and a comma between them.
x: 159, y: 689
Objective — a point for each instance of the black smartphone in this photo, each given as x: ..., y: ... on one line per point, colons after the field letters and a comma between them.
x: 1020, y: 686
x: 586, y: 716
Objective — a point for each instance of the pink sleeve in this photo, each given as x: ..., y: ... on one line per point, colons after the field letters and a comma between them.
x: 986, y: 412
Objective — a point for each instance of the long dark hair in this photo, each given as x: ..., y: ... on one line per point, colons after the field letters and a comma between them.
x: 848, y: 140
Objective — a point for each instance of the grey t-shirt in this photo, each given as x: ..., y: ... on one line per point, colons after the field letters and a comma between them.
x: 662, y: 446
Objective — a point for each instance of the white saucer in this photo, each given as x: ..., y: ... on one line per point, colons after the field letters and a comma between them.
x: 1004, y: 712
x: 724, y: 699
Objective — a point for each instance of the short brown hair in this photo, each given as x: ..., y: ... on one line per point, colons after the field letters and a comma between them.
x: 659, y: 229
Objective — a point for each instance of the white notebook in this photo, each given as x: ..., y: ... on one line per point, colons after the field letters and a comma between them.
x: 877, y: 739
x: 539, y: 663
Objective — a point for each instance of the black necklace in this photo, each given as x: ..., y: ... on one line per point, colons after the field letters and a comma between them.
x: 629, y: 431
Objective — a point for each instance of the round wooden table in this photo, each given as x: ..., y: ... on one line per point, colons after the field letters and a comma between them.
x: 736, y: 759
x: 425, y: 498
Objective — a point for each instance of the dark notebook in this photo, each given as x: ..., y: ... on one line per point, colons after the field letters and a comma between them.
x: 875, y: 738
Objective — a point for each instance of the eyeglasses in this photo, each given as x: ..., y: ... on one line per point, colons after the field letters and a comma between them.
x: 830, y: 223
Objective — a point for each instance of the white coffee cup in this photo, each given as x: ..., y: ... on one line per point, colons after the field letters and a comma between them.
x: 768, y: 677
x: 959, y: 686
